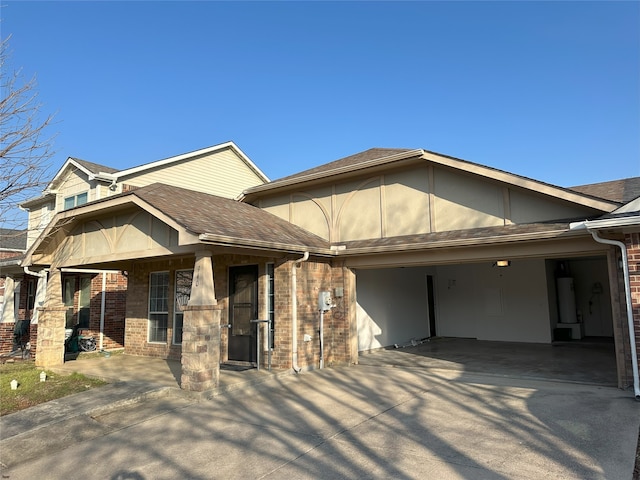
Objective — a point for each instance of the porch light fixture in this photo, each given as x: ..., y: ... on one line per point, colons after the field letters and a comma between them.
x: 502, y: 263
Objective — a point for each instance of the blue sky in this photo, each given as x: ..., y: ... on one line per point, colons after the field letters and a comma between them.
x: 548, y: 90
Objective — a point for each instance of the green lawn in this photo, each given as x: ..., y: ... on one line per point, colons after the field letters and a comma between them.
x: 31, y: 391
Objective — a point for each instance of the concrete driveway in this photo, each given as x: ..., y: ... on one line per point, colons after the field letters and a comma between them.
x: 358, y: 422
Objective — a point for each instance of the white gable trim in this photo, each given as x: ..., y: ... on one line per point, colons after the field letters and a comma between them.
x: 73, y: 163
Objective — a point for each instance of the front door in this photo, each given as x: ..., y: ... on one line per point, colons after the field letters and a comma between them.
x: 243, y: 307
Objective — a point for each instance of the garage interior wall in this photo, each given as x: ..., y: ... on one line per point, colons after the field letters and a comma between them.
x: 515, y: 304
x: 391, y: 306
x: 494, y: 303
x: 471, y: 301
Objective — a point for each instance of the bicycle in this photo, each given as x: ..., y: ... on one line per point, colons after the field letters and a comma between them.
x: 86, y: 343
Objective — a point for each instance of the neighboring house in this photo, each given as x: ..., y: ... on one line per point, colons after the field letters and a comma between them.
x: 357, y: 254
x: 95, y: 298
x: 13, y: 245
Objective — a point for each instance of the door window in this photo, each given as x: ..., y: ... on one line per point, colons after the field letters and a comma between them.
x: 184, y: 279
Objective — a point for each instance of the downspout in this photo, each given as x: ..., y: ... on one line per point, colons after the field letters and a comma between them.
x: 294, y: 311
x: 103, y: 308
x: 41, y: 273
x: 627, y: 291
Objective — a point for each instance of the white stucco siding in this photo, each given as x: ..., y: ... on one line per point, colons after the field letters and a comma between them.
x: 221, y: 173
x: 463, y: 202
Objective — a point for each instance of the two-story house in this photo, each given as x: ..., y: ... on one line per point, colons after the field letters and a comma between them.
x: 95, y: 297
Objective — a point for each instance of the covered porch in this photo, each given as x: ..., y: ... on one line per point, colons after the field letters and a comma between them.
x: 153, y: 233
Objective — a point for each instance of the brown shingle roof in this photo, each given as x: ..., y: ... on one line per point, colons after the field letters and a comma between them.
x: 201, y: 213
x: 13, y: 239
x: 95, y: 167
x: 367, y: 155
x: 622, y: 191
x: 459, y: 237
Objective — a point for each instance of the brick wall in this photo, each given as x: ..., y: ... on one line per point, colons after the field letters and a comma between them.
x: 5, y: 255
x: 632, y: 241
x: 6, y: 328
x: 312, y: 277
x: 115, y: 306
x: 136, y: 337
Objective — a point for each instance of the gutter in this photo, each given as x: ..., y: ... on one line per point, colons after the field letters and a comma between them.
x: 294, y: 311
x: 238, y: 242
x: 592, y: 229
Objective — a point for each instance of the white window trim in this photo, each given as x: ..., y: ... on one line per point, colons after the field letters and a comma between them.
x: 75, y: 200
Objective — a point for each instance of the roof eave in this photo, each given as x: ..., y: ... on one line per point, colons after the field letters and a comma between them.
x: 463, y: 242
x: 228, y: 241
x: 48, y: 195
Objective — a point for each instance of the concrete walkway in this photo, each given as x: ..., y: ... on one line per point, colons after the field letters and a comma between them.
x: 352, y: 422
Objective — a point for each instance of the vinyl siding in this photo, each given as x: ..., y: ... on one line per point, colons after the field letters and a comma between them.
x: 221, y: 173
x: 74, y: 182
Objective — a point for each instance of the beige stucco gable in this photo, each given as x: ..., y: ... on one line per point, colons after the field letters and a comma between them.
x: 418, y: 198
x: 94, y: 236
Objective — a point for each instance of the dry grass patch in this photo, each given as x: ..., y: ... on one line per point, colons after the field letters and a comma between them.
x: 31, y: 391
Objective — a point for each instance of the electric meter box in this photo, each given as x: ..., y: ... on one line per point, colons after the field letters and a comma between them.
x: 324, y: 301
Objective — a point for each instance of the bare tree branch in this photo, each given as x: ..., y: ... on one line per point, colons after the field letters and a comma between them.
x: 25, y: 147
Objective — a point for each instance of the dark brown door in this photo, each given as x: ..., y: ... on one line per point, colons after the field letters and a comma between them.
x: 243, y: 307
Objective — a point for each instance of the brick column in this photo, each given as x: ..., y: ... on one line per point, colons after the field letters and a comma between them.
x: 51, y: 323
x: 201, y: 330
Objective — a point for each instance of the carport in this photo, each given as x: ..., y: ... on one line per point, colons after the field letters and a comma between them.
x: 484, y: 318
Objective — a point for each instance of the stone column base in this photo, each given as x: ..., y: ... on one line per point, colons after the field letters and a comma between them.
x: 50, y: 342
x: 200, y: 348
